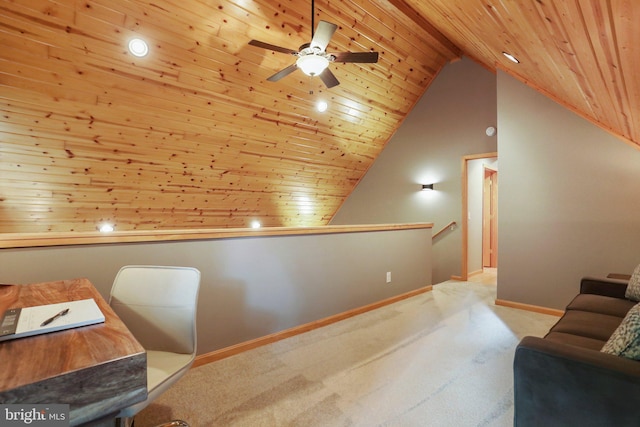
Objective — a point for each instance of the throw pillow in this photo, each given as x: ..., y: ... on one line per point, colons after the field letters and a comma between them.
x: 625, y: 340
x: 633, y: 289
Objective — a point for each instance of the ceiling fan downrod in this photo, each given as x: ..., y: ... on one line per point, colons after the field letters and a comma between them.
x: 313, y: 16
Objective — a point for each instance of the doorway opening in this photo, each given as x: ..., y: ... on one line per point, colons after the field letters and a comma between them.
x: 473, y: 169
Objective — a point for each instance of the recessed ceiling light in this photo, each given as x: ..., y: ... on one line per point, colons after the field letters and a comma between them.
x: 322, y: 106
x: 255, y: 224
x: 138, y: 47
x: 511, y: 57
x: 106, y: 228
x: 305, y: 205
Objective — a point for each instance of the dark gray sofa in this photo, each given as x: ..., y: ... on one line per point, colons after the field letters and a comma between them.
x: 565, y: 380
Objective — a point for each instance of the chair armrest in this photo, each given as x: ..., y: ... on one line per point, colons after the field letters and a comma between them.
x: 603, y: 286
x: 557, y: 384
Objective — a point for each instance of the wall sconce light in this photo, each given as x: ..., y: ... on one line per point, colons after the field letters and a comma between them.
x: 427, y: 187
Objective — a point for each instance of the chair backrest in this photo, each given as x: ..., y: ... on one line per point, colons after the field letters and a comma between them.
x: 158, y: 305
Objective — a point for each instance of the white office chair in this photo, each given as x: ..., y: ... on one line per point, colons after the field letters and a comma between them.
x: 158, y: 305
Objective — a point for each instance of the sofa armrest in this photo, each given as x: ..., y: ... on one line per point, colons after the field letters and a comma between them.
x: 557, y: 384
x: 603, y: 286
x: 621, y: 276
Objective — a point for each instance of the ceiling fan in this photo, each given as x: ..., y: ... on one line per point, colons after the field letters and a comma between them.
x: 313, y: 59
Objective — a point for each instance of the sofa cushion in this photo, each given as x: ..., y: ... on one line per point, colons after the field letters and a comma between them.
x: 625, y: 340
x: 575, y: 340
x: 601, y: 304
x: 633, y: 289
x: 586, y: 324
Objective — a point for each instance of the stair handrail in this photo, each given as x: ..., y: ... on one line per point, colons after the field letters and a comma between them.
x: 451, y: 225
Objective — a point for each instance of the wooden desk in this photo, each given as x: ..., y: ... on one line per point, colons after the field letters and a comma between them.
x: 96, y: 369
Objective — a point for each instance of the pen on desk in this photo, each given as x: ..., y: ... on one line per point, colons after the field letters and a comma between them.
x: 51, y: 319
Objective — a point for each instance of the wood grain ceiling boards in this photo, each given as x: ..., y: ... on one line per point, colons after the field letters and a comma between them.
x: 583, y: 54
x: 193, y: 136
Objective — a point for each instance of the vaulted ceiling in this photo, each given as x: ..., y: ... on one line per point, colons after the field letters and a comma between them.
x: 194, y: 136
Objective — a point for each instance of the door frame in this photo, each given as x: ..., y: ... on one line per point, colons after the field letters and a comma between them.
x: 464, y: 276
x: 489, y: 218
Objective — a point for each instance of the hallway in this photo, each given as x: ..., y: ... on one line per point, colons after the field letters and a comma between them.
x: 489, y: 276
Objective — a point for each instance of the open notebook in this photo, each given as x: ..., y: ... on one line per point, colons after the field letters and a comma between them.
x: 41, y: 319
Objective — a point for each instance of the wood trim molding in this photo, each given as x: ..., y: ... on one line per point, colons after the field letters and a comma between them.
x: 25, y: 240
x: 438, y: 37
x: 529, y: 307
x: 452, y: 224
x: 223, y: 353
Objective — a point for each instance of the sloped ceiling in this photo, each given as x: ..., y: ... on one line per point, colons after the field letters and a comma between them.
x: 584, y: 55
x: 193, y: 136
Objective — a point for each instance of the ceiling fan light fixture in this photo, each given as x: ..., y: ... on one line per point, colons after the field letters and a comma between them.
x: 312, y: 65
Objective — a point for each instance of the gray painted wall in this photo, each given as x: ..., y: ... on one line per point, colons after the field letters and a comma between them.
x: 447, y: 123
x: 569, y: 199
x: 252, y: 287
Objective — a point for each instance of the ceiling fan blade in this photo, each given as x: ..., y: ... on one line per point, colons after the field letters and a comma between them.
x: 328, y: 78
x: 282, y: 73
x: 323, y: 34
x: 273, y: 47
x: 360, y: 57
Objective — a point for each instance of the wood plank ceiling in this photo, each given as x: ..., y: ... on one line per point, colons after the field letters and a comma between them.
x: 193, y: 136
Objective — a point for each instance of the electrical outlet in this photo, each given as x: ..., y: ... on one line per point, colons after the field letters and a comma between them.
x: 388, y: 277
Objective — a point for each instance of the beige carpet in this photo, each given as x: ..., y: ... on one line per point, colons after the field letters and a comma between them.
x: 443, y: 358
